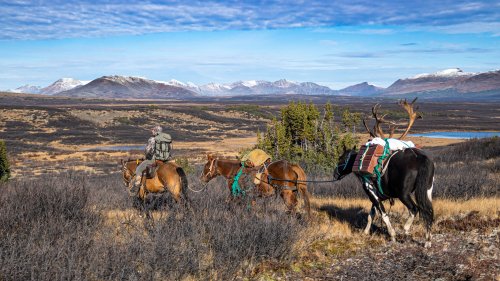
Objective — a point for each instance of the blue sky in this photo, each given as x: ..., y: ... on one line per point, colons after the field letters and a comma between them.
x: 334, y: 43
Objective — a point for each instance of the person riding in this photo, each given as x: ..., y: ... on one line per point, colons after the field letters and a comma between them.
x: 158, y: 148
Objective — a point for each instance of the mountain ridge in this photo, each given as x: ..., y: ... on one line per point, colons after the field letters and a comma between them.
x: 441, y: 84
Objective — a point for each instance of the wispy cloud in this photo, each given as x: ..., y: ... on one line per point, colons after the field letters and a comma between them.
x: 451, y: 50
x: 86, y: 18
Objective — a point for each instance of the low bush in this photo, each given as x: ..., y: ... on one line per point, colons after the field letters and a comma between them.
x: 57, y: 229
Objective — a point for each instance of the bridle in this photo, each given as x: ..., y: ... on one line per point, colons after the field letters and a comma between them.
x: 210, y: 174
x: 125, y: 169
x: 343, y: 165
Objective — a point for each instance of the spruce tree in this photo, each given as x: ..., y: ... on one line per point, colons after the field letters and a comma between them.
x: 4, y: 162
x: 306, y: 135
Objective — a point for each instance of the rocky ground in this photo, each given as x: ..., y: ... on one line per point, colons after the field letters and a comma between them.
x: 465, y: 247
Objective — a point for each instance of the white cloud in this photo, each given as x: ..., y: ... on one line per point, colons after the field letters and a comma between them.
x: 85, y: 18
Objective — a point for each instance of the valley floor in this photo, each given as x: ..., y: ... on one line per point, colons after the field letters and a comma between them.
x: 465, y: 244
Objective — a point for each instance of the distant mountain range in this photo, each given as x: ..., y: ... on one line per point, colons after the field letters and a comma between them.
x: 60, y: 85
x: 128, y: 87
x: 450, y: 83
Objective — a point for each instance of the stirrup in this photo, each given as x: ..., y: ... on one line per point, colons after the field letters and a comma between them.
x: 134, y: 189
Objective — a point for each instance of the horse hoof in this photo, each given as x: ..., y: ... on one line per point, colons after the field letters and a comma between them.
x: 427, y: 244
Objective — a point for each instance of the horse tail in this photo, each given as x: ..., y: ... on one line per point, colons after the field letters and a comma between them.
x: 184, y: 183
x: 423, y: 191
x: 302, y: 187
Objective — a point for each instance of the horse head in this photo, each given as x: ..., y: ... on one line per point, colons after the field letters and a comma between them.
x: 128, y: 170
x: 346, y: 161
x: 210, y: 170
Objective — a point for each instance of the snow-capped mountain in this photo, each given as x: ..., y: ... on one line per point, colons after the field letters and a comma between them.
x: 447, y: 73
x: 449, y: 83
x: 128, y: 87
x: 449, y: 80
x: 61, y: 85
x: 261, y: 87
x: 213, y: 89
x: 27, y: 89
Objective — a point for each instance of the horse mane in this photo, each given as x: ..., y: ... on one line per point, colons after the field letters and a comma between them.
x: 229, y: 158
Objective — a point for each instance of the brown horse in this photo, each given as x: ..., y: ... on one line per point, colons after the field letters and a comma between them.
x: 169, y: 176
x: 280, y: 176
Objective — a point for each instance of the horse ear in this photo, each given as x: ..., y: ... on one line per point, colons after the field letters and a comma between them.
x: 209, y: 156
x: 354, y: 147
x: 345, y: 147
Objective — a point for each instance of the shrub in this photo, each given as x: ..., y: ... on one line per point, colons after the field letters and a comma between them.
x: 305, y: 135
x: 4, y: 162
x: 183, y: 162
x: 59, y: 228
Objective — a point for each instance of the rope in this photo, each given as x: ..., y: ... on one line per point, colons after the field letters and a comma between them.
x: 379, y: 166
x: 363, y: 156
x: 196, y: 191
x: 301, y: 181
x: 235, y: 188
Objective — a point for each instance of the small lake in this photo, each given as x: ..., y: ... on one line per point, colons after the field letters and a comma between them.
x: 115, y: 148
x: 458, y: 135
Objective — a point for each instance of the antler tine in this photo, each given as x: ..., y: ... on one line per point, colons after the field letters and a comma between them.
x: 368, y: 130
x: 392, y: 128
x: 378, y: 120
x: 413, y: 115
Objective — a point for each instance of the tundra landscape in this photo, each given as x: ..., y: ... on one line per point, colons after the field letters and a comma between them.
x: 249, y: 140
x: 67, y: 214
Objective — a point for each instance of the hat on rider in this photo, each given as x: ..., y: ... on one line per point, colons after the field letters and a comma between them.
x: 156, y: 130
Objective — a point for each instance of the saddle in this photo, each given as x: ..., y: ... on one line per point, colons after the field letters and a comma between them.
x: 367, y: 159
x: 262, y: 169
x: 150, y: 171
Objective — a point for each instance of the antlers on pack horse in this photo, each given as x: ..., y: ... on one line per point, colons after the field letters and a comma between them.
x: 406, y: 171
x: 379, y: 120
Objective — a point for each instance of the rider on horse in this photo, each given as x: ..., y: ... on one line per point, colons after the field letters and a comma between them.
x: 158, y: 148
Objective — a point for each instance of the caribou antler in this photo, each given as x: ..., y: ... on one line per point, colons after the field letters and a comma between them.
x: 412, y: 113
x: 377, y: 129
x: 381, y: 120
x: 368, y: 130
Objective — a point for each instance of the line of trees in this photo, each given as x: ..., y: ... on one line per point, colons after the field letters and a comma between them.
x: 309, y: 135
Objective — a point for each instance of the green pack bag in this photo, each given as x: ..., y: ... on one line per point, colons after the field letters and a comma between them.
x: 162, y: 146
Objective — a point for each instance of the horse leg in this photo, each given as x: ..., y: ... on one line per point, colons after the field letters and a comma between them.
x: 230, y: 188
x: 144, y: 206
x: 369, y: 189
x: 305, y: 195
x: 290, y: 200
x: 387, y: 222
x: 412, y: 209
x: 371, y: 215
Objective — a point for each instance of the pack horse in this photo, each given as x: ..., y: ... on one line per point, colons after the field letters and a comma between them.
x: 405, y: 171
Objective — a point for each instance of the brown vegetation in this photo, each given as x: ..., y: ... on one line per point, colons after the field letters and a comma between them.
x: 81, y: 224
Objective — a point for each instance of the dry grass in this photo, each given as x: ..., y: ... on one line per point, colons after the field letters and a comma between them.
x: 489, y: 207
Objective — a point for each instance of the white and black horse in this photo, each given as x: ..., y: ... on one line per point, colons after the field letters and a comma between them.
x: 409, y: 171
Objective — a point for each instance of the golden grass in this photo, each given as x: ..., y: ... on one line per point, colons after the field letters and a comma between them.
x: 328, y: 238
x: 489, y: 207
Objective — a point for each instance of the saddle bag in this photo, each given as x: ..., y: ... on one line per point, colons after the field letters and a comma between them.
x: 151, y: 170
x: 367, y: 159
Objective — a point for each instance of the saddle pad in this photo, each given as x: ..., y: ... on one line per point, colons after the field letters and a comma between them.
x: 367, y: 158
x: 394, y: 144
x: 256, y: 157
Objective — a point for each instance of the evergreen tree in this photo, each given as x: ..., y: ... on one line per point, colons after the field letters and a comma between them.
x: 305, y: 135
x: 4, y: 162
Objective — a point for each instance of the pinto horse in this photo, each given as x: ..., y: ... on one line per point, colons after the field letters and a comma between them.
x: 169, y: 177
x: 409, y: 171
x: 280, y: 176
